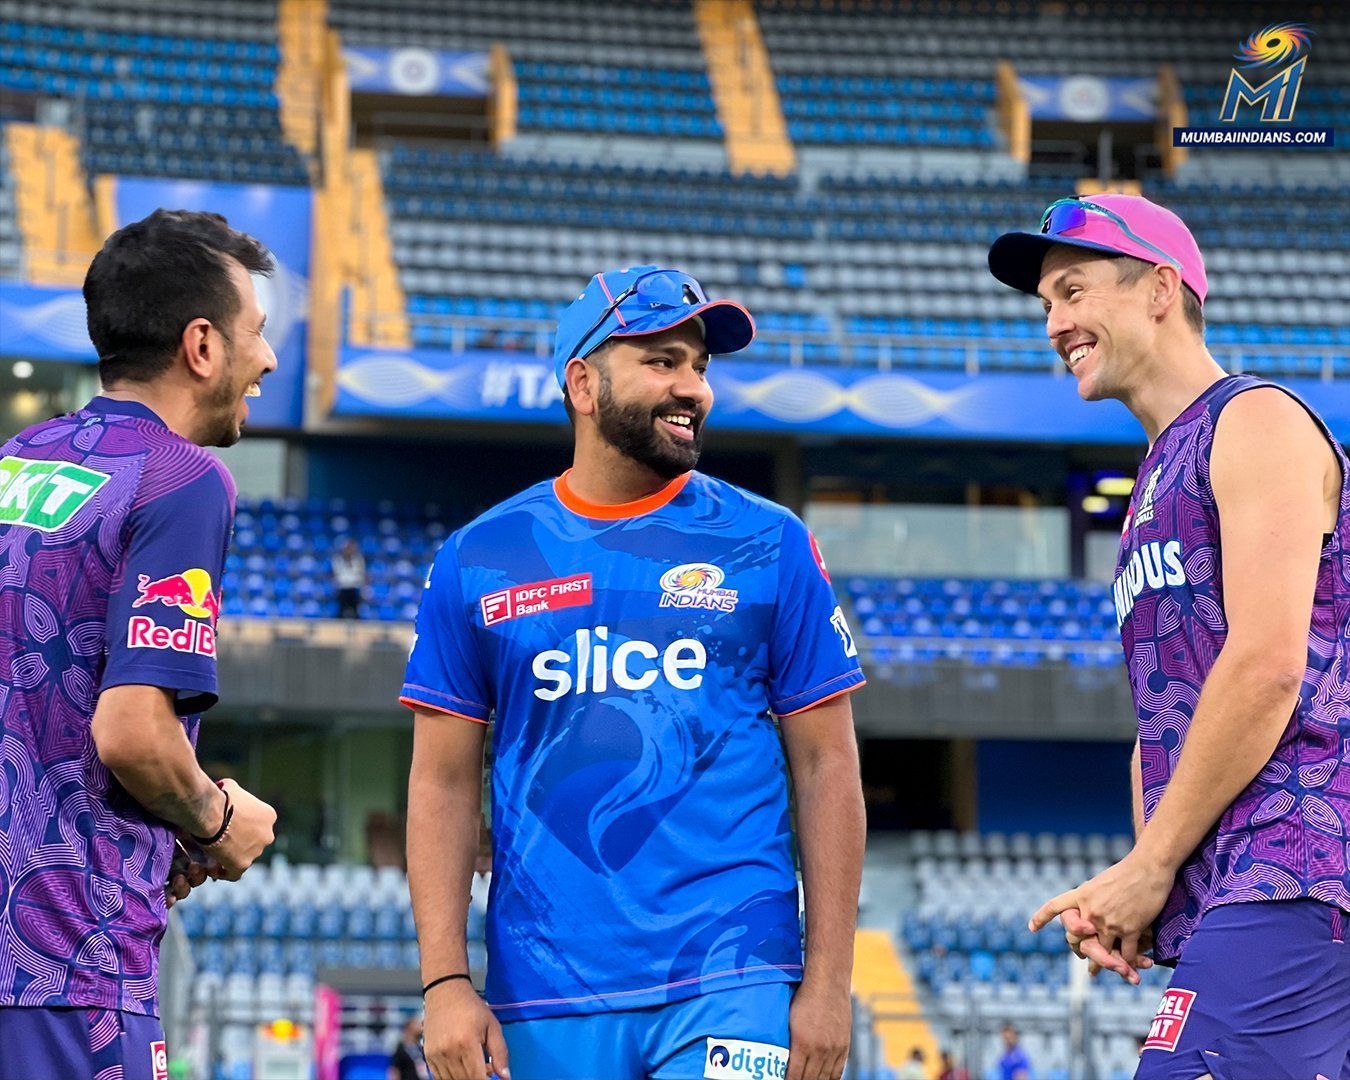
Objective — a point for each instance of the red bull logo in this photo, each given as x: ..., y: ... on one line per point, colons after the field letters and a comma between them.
x: 697, y: 585
x: 189, y: 591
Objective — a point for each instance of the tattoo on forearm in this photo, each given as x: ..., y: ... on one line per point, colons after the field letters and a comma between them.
x: 195, y: 812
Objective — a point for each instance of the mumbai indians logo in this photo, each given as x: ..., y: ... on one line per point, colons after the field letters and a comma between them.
x: 1279, y: 43
x: 697, y: 585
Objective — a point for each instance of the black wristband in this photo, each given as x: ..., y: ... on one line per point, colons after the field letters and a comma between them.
x: 443, y: 978
x: 226, y: 818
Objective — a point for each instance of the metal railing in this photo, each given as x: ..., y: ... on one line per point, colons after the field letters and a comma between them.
x: 879, y: 352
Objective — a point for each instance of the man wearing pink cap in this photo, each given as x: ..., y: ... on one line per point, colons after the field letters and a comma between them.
x: 1232, y: 593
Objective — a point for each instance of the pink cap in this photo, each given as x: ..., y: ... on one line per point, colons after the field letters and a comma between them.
x: 1118, y: 224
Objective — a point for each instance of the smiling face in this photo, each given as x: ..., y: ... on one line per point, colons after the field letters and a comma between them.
x: 245, y: 358
x: 654, y: 397
x: 1099, y: 325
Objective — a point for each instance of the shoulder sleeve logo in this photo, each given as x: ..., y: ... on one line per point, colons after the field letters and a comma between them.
x: 819, y: 556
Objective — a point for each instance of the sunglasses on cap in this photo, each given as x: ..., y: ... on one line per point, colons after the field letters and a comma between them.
x: 1066, y: 214
x: 655, y: 289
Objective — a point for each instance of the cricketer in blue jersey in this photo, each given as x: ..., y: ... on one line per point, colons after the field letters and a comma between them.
x: 113, y: 528
x: 634, y: 627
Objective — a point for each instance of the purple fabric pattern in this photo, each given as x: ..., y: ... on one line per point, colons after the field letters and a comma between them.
x: 1287, y: 835
x: 82, y: 865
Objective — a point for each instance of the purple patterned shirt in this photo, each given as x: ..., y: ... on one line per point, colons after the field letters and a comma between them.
x: 1288, y: 834
x: 112, y: 538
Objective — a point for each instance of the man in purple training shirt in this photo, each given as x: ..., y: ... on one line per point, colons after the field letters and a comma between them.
x: 113, y: 528
x: 1233, y: 597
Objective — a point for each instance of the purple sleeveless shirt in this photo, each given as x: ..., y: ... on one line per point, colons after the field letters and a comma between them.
x: 1287, y: 836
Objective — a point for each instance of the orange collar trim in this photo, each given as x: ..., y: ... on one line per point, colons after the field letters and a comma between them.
x: 616, y: 511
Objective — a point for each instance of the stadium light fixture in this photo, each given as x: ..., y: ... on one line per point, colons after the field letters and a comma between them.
x: 1096, y: 504
x: 1115, y: 486
x: 23, y: 369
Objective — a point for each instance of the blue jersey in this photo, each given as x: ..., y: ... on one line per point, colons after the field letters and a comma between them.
x: 113, y: 532
x: 633, y: 656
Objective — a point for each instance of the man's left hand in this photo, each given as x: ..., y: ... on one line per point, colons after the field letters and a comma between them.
x: 1121, y: 903
x: 819, y: 1023
x: 190, y: 867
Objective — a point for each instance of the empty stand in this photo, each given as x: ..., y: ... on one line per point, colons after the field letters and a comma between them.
x: 1005, y: 621
x: 279, y: 563
x: 964, y: 933
x: 182, y: 92
x: 856, y: 268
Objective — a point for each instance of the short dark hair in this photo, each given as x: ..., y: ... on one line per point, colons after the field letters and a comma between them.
x: 1129, y: 270
x: 153, y: 277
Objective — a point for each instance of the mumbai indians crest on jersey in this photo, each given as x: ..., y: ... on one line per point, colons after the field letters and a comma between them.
x: 697, y: 585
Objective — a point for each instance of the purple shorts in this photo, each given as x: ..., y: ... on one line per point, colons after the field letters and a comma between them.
x: 80, y: 1044
x: 1262, y: 992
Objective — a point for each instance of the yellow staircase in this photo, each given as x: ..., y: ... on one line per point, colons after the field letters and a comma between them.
x: 301, y: 32
x: 379, y: 308
x: 743, y: 88
x: 881, y: 981
x: 54, y: 208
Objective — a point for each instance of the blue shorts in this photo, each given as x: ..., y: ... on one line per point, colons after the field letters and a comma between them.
x: 80, y: 1044
x: 1262, y: 992
x: 735, y: 1034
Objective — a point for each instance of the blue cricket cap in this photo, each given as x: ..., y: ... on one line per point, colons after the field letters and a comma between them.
x: 640, y: 300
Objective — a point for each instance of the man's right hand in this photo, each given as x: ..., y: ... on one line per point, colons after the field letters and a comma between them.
x: 249, y: 834
x: 458, y: 1030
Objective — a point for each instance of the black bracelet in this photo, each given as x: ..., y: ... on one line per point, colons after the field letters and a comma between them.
x: 443, y: 978
x: 226, y: 818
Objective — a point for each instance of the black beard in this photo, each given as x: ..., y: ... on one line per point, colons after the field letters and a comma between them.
x: 631, y: 430
x: 220, y: 408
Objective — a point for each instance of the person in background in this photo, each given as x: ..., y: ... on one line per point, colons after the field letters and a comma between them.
x: 913, y: 1069
x: 950, y: 1070
x: 1014, y: 1064
x: 349, y: 575
x: 407, y: 1062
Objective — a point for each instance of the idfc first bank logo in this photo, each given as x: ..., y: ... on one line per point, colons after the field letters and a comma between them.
x: 1264, y: 86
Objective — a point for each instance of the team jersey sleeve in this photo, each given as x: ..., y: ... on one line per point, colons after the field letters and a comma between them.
x: 164, y: 603
x: 444, y: 669
x: 812, y: 655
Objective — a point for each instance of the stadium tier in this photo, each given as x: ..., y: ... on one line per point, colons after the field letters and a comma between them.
x: 862, y: 268
x: 641, y: 77
x: 854, y: 260
x: 256, y: 956
x: 965, y: 899
x: 279, y: 566
x: 1003, y: 621
x: 617, y: 137
x: 149, y: 98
